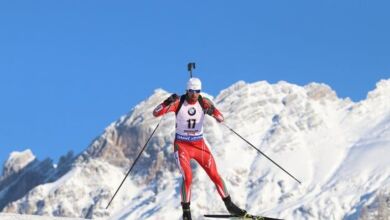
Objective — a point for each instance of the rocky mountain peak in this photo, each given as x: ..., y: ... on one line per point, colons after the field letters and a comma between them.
x: 17, y: 161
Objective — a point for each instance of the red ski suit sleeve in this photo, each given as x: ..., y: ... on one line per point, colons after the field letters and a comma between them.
x: 210, y: 109
x: 162, y: 109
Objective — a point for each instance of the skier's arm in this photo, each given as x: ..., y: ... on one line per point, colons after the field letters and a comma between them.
x: 210, y: 109
x: 168, y: 105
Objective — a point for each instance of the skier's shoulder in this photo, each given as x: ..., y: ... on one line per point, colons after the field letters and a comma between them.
x: 205, y: 102
x: 205, y: 99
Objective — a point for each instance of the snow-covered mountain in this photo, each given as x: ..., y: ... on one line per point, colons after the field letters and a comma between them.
x: 337, y: 148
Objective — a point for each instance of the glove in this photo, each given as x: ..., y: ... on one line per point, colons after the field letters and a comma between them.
x: 171, y: 99
x: 210, y: 110
x: 219, y: 118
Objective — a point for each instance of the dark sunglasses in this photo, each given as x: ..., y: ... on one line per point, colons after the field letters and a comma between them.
x: 194, y: 91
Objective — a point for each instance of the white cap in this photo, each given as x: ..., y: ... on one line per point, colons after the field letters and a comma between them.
x: 194, y: 84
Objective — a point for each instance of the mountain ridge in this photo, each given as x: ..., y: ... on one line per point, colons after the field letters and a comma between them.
x: 308, y: 130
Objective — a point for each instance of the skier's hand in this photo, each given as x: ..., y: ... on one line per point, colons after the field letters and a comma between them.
x: 209, y: 110
x: 171, y: 99
x: 219, y: 118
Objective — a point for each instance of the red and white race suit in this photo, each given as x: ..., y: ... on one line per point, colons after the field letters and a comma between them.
x: 189, y: 143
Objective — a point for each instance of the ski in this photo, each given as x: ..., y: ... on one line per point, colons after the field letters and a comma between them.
x: 246, y: 217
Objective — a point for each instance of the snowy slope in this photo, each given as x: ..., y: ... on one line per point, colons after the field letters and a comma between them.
x: 337, y: 148
x: 9, y: 216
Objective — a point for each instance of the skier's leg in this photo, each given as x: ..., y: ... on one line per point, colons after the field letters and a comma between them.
x: 183, y: 161
x: 204, y: 157
x: 206, y: 160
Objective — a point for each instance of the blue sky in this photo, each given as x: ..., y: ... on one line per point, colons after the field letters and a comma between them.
x: 70, y: 68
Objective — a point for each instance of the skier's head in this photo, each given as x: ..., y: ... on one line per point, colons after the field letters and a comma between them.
x: 194, y: 86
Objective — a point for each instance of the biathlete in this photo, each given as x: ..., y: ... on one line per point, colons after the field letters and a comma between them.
x: 190, y: 110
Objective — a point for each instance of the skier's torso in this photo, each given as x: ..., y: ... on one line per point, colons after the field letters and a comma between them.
x: 189, y: 122
x: 189, y: 116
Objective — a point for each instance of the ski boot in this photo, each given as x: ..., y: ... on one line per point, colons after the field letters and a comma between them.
x: 186, y: 211
x: 232, y: 208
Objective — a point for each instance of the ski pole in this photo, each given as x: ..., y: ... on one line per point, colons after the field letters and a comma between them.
x: 262, y: 153
x: 139, y: 155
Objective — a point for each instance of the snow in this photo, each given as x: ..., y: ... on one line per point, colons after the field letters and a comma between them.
x: 338, y: 149
x: 10, y: 216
